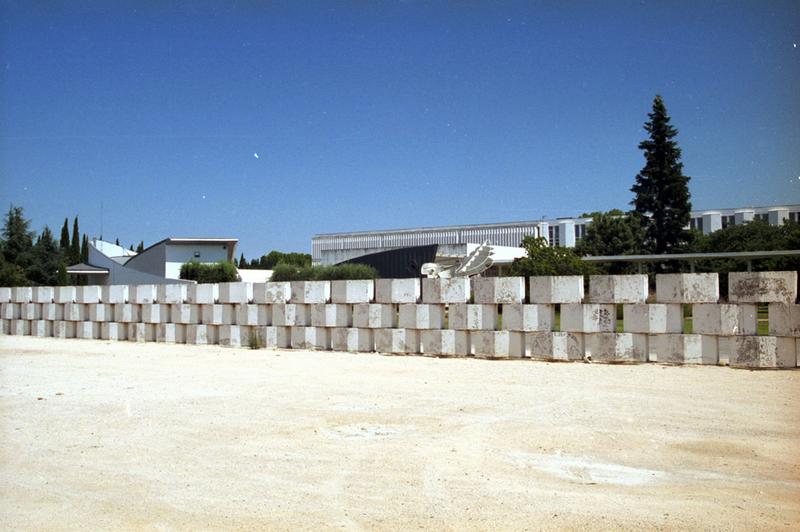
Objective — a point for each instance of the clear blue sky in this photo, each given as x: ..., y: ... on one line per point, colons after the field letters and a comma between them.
x: 370, y: 115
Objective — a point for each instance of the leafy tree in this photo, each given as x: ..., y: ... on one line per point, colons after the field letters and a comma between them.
x: 45, y: 260
x: 662, y: 191
x: 221, y: 272
x: 63, y: 278
x: 612, y: 234
x: 64, y: 242
x: 290, y: 272
x: 17, y: 238
x: 543, y: 259
x: 11, y: 274
x: 274, y: 257
x: 612, y: 212
x: 75, y: 245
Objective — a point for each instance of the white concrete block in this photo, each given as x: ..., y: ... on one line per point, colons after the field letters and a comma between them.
x: 270, y: 293
x: 113, y: 331
x: 142, y: 294
x: 444, y: 342
x: 276, y: 337
x: 201, y: 334
x: 616, y: 347
x: 421, y: 316
x: 502, y: 290
x: 618, y: 288
x: 5, y: 327
x: 75, y: 312
x: 43, y: 294
x: 41, y: 328
x: 291, y: 315
x: 10, y: 311
x: 353, y: 340
x: 202, y: 294
x: 30, y: 311
x: 240, y: 293
x: 397, y: 290
x: 556, y: 289
x: 331, y: 315
x: 141, y: 332
x: 762, y: 287
x: 21, y: 294
x: 20, y: 328
x: 522, y: 317
x: 657, y: 318
x: 52, y: 311
x: 185, y: 313
x: 724, y: 320
x: 171, y: 333
x: 309, y: 292
x: 252, y: 315
x: 497, y: 344
x: 115, y: 293
x: 64, y: 329
x: 548, y: 345
x: 217, y: 314
x: 685, y: 348
x: 589, y: 317
x: 5, y: 294
x: 397, y: 341
x: 229, y: 335
x: 171, y: 294
x: 124, y: 312
x: 64, y: 294
x: 101, y: 312
x: 784, y: 319
x: 88, y: 294
x: 764, y: 352
x: 87, y: 330
x: 373, y: 316
x: 155, y: 313
x: 311, y: 338
x: 464, y: 316
x: 687, y: 287
x: 355, y: 291
x: 454, y: 290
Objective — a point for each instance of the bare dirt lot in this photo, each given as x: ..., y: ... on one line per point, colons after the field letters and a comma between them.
x: 129, y: 436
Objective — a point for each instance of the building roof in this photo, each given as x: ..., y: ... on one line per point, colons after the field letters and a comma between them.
x: 82, y: 268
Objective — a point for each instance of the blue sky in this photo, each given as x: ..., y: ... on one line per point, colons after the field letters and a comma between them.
x: 381, y: 115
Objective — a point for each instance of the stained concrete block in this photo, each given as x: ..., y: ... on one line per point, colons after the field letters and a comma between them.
x: 64, y: 294
x: 397, y: 290
x: 311, y: 338
x: 355, y: 291
x: 43, y: 294
x: 41, y: 328
x: 5, y: 294
x: 616, y: 347
x: 142, y: 294
x: 353, y: 340
x: 784, y: 319
x: 52, y: 311
x: 21, y: 294
x: 270, y: 293
x: 444, y: 342
x: 463, y: 316
x: 556, y: 289
x: 101, y: 312
x: 588, y: 318
x: 155, y: 313
x: 202, y: 294
x: 544, y: 345
x: 331, y: 315
x: 252, y: 315
x: 685, y: 348
x: 201, y: 334
x: 113, y: 331
x: 618, y: 288
x: 498, y: 290
x: 20, y: 328
x: 5, y: 326
x: 171, y: 333
x: 75, y: 312
x: 171, y: 294
x: 523, y: 317
x: 229, y: 335
x: 310, y: 292
x: 421, y: 316
x: 64, y: 329
x: 657, y: 318
x: 291, y: 315
x: 185, y: 313
x: 687, y: 287
x: 497, y: 344
x: 232, y: 293
x: 141, y: 332
x: 455, y: 290
x: 762, y: 287
x: 30, y: 311
x: 115, y: 293
x: 217, y: 314
x: 397, y: 341
x: 124, y: 312
x: 275, y: 337
x: 87, y: 330
x: 373, y: 316
x: 764, y: 352
x: 10, y: 311
x: 88, y: 294
x: 724, y: 320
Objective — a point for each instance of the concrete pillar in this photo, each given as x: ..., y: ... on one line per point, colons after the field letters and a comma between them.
x: 618, y: 288
x: 687, y: 288
x: 588, y: 318
x: 444, y: 342
x: 522, y: 317
x: 498, y: 290
x: 356, y: 291
x: 762, y: 287
x: 397, y: 341
x: 497, y: 344
x: 373, y: 316
x: 464, y: 316
x: 564, y: 346
x: 291, y: 315
x: 331, y: 315
x: 455, y: 290
x: 616, y: 347
x: 556, y: 289
x: 397, y: 290
x: 421, y: 316
x: 353, y: 340
x: 115, y: 293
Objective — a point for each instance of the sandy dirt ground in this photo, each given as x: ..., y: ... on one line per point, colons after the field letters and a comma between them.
x: 104, y: 435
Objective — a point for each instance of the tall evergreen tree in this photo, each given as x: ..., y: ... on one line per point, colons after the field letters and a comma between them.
x: 75, y: 245
x: 242, y: 262
x: 85, y: 249
x: 117, y: 242
x: 140, y: 247
x: 45, y: 260
x: 662, y: 191
x: 17, y: 238
x: 63, y: 244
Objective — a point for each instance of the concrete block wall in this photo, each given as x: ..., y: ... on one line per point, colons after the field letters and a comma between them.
x: 543, y: 318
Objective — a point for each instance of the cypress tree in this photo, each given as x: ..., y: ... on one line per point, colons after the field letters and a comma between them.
x: 242, y: 262
x: 63, y: 279
x: 117, y: 242
x: 63, y: 244
x: 75, y: 246
x: 662, y: 191
x: 140, y: 247
x: 85, y: 249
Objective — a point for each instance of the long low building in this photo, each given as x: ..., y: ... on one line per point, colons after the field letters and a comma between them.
x: 332, y: 248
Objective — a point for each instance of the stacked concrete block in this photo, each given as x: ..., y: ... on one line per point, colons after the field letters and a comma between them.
x: 588, y: 318
x: 616, y: 347
x: 88, y: 294
x: 41, y: 328
x: 310, y: 292
x: 10, y: 311
x: 20, y: 327
x: 124, y: 312
x: 455, y: 290
x: 229, y: 335
x: 311, y: 338
x: 724, y: 320
x: 115, y: 293
x: 331, y: 315
x: 202, y: 294
x: 355, y: 291
x: 397, y: 290
x: 5, y: 326
x: 762, y: 287
x: 764, y: 352
x: 373, y: 316
x: 5, y: 294
x: 141, y: 332
x: 556, y: 289
x: 113, y: 331
x: 497, y: 344
x: 87, y: 330
x: 170, y: 294
x: 30, y: 311
x: 687, y: 288
x: 784, y: 319
x: 233, y: 293
x: 465, y: 316
x: 421, y: 316
x: 201, y: 334
x: 52, y: 311
x: 43, y: 294
x: 685, y: 348
x: 564, y: 346
x: 275, y: 337
x: 142, y: 294
x: 64, y: 329
x: 75, y: 312
x: 618, y: 288
x: 533, y: 317
x: 253, y: 315
x: 397, y: 341
x: 353, y: 340
x: 184, y: 313
x: 444, y: 342
x: 171, y: 333
x: 22, y: 294
x: 498, y: 290
x: 64, y: 294
x: 291, y: 315
x: 657, y: 318
x: 277, y: 293
x: 156, y: 313
x: 217, y: 314
x: 101, y: 312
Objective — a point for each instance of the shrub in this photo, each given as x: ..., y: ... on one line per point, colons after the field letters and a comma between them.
x: 288, y: 272
x: 221, y: 272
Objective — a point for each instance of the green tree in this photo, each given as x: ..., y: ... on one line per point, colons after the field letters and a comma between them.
x: 85, y: 249
x: 45, y: 260
x: 11, y: 274
x: 75, y: 245
x: 661, y: 189
x: 274, y: 257
x: 242, y: 264
x: 140, y: 247
x: 221, y: 272
x: 612, y: 234
x: 543, y: 259
x: 116, y: 242
x: 63, y: 278
x: 17, y: 238
x: 64, y: 242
